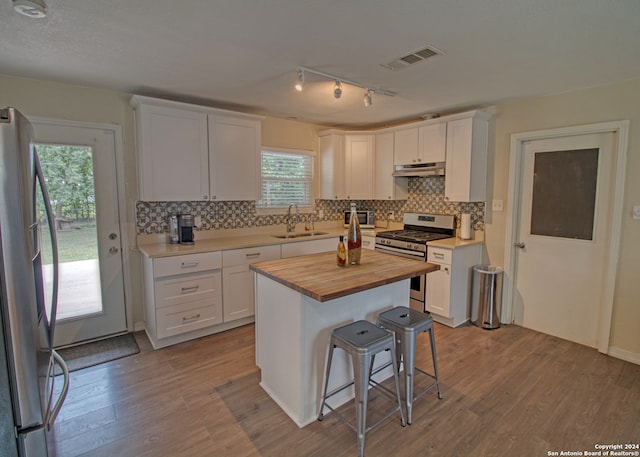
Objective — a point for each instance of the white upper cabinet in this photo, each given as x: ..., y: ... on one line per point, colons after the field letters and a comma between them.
x: 331, y: 161
x: 173, y: 156
x: 358, y: 168
x: 191, y: 153
x: 346, y: 165
x: 385, y: 186
x: 234, y: 157
x: 419, y: 145
x: 432, y: 143
x: 405, y: 146
x: 466, y: 164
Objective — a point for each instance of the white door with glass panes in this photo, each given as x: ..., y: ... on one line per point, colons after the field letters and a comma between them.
x: 79, y: 166
x: 563, y: 235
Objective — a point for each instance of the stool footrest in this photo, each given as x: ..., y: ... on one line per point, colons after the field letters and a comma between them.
x: 374, y: 384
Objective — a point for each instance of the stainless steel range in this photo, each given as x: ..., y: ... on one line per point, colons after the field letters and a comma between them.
x: 412, y: 241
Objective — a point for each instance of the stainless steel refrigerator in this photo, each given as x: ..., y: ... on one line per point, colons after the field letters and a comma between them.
x: 28, y: 296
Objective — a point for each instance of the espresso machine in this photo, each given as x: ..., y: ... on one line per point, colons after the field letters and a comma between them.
x: 185, y: 228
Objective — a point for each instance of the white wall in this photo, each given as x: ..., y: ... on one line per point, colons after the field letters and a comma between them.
x: 600, y: 104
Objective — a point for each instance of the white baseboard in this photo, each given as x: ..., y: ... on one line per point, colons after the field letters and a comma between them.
x: 624, y: 355
x: 138, y: 326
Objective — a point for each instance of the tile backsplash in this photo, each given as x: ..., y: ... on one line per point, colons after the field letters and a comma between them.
x: 425, y: 195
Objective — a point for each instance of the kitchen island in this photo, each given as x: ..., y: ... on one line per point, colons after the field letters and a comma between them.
x: 300, y: 300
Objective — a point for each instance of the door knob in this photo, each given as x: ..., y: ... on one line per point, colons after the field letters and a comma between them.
x: 113, y: 236
x: 113, y: 250
x: 520, y: 245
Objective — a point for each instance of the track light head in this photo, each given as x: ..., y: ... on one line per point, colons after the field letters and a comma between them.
x: 337, y: 92
x: 300, y: 82
x: 368, y: 98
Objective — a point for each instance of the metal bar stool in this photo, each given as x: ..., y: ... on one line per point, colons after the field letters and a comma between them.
x: 362, y: 341
x: 406, y: 323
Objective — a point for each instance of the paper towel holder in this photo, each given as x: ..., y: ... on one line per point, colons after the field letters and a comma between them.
x: 465, y: 226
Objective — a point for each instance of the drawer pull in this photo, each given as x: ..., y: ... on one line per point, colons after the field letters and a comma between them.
x: 190, y: 289
x: 190, y: 264
x: 187, y: 319
x: 255, y: 254
x: 437, y: 255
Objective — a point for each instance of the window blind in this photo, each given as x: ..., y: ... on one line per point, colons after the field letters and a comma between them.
x: 287, y: 179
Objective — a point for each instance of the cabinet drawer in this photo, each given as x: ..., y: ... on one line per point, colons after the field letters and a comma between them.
x: 180, y: 289
x: 190, y: 263
x: 246, y: 256
x: 438, y: 255
x: 186, y: 317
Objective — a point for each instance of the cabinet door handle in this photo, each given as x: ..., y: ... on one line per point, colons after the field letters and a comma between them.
x: 190, y: 289
x: 190, y: 264
x: 446, y: 270
x: 255, y: 254
x: 187, y: 319
x: 437, y: 255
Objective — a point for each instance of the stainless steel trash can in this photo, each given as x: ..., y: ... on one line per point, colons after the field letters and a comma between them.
x: 486, y: 296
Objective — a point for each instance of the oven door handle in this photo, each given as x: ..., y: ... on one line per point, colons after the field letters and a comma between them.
x: 402, y: 252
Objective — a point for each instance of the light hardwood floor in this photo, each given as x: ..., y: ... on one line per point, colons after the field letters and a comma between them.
x: 507, y: 392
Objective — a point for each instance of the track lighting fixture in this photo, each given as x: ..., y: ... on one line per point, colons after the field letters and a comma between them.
x: 337, y: 90
x: 300, y: 82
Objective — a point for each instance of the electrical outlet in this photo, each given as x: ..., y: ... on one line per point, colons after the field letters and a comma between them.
x: 320, y: 214
x: 197, y: 221
x: 497, y: 205
x: 391, y: 215
x: 636, y: 212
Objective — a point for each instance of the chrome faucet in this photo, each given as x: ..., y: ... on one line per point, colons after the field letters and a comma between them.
x: 291, y: 226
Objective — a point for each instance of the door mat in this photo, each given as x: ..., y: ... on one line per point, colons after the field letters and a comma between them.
x: 97, y: 352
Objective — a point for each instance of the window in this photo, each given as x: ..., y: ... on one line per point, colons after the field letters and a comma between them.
x: 286, y: 179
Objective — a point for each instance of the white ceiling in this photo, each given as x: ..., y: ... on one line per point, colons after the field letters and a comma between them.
x: 243, y: 54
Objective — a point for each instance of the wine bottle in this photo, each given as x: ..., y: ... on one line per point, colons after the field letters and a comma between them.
x: 354, y: 238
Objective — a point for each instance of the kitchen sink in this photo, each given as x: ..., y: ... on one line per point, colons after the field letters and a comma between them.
x: 299, y: 235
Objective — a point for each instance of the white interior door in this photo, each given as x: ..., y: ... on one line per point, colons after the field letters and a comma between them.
x: 563, y: 235
x: 79, y: 165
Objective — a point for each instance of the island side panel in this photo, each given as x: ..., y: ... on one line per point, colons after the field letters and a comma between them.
x: 278, y: 337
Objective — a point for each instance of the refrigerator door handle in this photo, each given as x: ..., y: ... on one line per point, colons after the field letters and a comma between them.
x: 63, y: 394
x: 54, y: 247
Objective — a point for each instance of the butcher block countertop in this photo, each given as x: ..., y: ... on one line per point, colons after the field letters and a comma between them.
x: 317, y: 276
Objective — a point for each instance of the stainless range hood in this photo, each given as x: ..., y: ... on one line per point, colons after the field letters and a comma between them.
x: 423, y: 169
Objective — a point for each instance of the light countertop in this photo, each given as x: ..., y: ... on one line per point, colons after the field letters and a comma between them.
x: 154, y: 246
x: 454, y: 243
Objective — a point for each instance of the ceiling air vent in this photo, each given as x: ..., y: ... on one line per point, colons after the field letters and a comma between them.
x: 412, y: 58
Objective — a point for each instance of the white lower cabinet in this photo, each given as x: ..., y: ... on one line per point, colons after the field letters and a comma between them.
x: 237, y: 279
x: 369, y: 242
x: 183, y: 295
x: 448, y: 290
x: 309, y: 247
x: 193, y: 295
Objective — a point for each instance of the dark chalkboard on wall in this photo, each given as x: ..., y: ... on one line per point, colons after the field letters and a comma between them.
x: 564, y: 193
